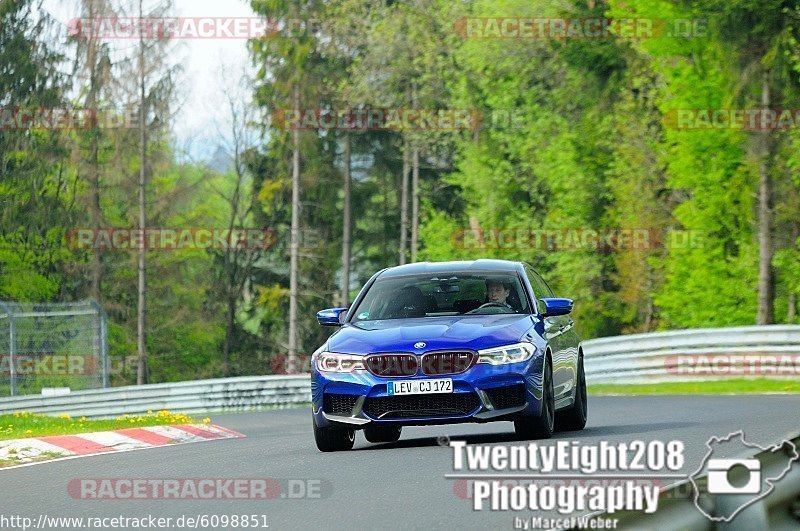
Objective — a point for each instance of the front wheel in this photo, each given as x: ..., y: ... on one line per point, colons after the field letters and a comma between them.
x: 540, y: 427
x: 574, y: 418
x: 382, y: 434
x: 334, y: 438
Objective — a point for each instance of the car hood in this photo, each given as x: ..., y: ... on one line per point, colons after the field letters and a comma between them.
x: 462, y: 331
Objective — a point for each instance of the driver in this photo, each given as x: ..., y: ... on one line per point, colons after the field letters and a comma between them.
x: 497, y: 292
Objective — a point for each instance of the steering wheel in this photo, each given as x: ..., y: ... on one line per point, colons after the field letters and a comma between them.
x: 492, y: 305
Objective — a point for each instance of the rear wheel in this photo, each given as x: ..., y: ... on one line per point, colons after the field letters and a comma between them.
x: 334, y: 438
x: 540, y: 427
x: 382, y: 434
x: 574, y: 418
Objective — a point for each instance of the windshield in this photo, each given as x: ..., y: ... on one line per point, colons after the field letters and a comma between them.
x: 432, y: 295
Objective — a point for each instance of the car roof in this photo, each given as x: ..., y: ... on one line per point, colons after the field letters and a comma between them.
x: 437, y: 268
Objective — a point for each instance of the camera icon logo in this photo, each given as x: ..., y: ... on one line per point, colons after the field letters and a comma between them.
x: 724, y: 486
x: 720, y: 471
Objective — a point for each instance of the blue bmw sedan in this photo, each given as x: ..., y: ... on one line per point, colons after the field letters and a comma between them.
x: 450, y: 342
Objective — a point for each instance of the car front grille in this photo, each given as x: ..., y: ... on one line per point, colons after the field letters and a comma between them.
x: 447, y: 362
x: 433, y: 405
x: 335, y: 404
x: 392, y: 364
x: 505, y: 397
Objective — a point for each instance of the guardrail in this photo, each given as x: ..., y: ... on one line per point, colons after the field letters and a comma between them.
x: 780, y: 509
x: 224, y: 394
x: 623, y: 359
x: 696, y: 354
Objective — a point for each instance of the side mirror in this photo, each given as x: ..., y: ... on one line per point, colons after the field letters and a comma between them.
x: 332, y: 316
x: 554, y: 306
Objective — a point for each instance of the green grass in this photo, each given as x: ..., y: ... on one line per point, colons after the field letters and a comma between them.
x: 733, y: 386
x: 24, y: 424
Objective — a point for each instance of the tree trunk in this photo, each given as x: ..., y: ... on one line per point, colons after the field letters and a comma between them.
x: 766, y: 293
x: 649, y: 312
x: 404, y: 204
x: 414, y: 201
x: 94, y: 160
x: 414, y: 187
x: 294, y: 247
x: 346, y: 230
x: 236, y: 269
x: 141, y: 372
x: 230, y: 270
x: 94, y: 187
x: 791, y: 311
x: 230, y: 316
x: 387, y: 188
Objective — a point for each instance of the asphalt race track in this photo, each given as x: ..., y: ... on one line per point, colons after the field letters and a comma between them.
x: 388, y: 486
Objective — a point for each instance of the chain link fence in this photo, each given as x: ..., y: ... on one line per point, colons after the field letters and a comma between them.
x: 52, y: 345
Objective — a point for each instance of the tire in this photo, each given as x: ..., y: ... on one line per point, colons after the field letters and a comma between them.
x: 333, y: 439
x: 382, y: 434
x: 540, y: 427
x: 574, y: 418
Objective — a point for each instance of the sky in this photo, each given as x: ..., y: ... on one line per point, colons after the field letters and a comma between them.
x: 200, y: 125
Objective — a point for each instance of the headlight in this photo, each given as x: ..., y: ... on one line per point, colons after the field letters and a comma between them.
x: 332, y: 362
x: 507, y: 354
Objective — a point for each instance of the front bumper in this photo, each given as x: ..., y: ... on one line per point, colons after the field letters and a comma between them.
x: 483, y: 393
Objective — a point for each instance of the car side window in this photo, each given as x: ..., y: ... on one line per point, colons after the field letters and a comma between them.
x: 547, y: 288
x: 540, y: 288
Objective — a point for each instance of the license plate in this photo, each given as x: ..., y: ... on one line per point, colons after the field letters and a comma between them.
x: 420, y: 387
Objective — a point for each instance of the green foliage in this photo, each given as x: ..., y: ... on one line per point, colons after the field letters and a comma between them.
x: 575, y: 134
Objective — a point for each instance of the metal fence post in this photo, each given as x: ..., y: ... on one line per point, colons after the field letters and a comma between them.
x: 102, y: 317
x: 12, y: 350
